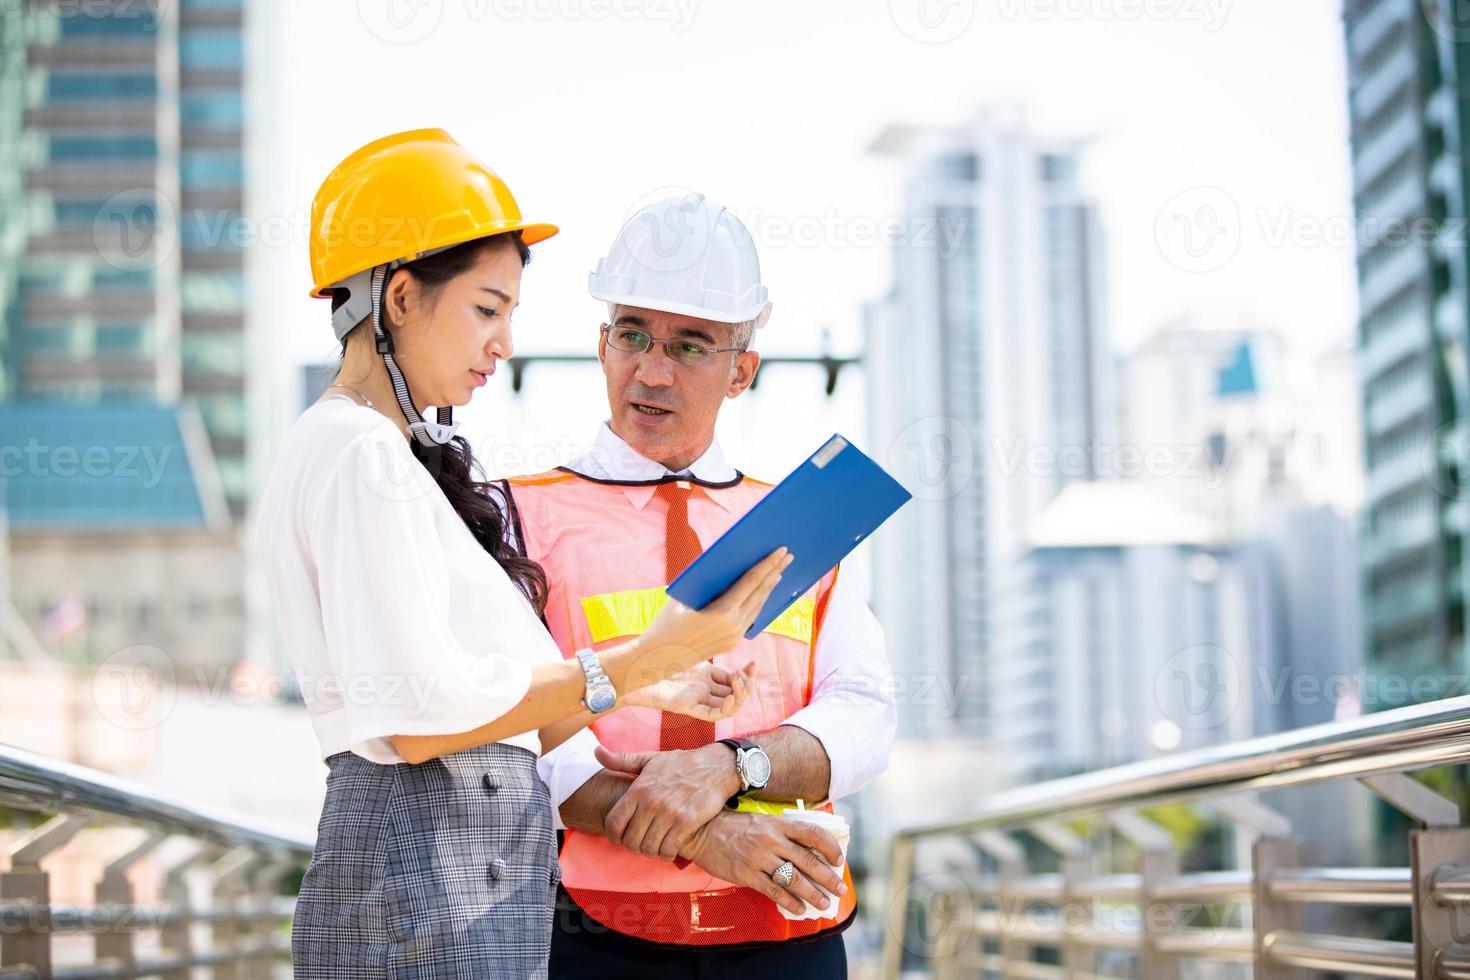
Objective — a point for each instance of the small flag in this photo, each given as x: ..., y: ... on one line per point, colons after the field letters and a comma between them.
x: 64, y: 619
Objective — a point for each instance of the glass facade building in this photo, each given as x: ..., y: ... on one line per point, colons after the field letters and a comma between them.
x: 991, y: 345
x: 1408, y: 94
x: 121, y: 202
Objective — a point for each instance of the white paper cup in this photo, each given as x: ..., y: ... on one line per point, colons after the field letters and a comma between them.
x: 838, y: 828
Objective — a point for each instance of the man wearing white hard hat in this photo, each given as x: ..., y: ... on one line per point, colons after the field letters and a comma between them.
x: 682, y: 797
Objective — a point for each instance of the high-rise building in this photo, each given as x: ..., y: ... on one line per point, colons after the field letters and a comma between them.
x: 1206, y: 592
x: 1192, y: 593
x: 121, y: 211
x: 988, y: 387
x: 1409, y: 94
x: 122, y: 325
x: 1227, y: 416
x: 1157, y: 627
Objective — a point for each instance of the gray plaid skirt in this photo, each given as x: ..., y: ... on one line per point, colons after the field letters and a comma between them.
x: 441, y: 870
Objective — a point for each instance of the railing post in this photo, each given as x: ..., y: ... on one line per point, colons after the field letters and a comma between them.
x: 1157, y: 863
x: 948, y: 886
x: 263, y: 922
x: 115, y: 892
x: 27, y: 885
x: 177, y: 936
x: 1010, y: 909
x: 1273, y: 847
x: 1076, y: 907
x: 1439, y: 927
x: 901, y: 872
x: 226, y: 889
x: 1439, y: 847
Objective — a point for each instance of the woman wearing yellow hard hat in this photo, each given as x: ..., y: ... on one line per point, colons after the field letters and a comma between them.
x: 412, y: 625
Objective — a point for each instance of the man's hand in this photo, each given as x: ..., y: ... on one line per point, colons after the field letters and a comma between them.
x: 744, y: 848
x: 675, y: 793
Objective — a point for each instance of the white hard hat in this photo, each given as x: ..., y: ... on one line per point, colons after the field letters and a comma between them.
x: 688, y: 255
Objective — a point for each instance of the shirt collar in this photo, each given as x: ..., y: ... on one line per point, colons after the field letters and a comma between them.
x: 612, y: 459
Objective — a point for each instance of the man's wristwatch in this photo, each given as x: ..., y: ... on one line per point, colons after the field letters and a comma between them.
x: 600, y: 694
x: 752, y: 765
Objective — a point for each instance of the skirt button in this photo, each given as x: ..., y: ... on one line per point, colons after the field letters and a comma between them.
x: 492, y: 780
x: 497, y: 869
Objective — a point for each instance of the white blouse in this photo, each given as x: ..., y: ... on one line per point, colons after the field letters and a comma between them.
x: 396, y: 620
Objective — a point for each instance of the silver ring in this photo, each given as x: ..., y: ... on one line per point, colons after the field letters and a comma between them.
x: 784, y: 875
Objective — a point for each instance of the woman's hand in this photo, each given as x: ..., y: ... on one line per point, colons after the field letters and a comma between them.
x: 744, y: 848
x: 680, y: 637
x: 704, y: 691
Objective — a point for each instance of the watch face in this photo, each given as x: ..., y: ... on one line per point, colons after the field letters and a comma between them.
x: 757, y: 768
x: 602, y: 698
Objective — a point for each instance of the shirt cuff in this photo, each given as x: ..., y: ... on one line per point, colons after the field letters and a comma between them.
x: 566, y: 768
x: 825, y: 723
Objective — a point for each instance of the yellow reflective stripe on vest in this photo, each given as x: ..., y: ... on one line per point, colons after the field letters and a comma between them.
x: 630, y: 613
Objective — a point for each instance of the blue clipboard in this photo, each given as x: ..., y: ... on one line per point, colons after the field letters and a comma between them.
x: 820, y: 512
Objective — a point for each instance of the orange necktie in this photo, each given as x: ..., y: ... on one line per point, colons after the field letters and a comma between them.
x: 681, y: 547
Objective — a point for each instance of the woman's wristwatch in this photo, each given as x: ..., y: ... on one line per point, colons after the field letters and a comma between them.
x: 752, y: 765
x: 599, y: 694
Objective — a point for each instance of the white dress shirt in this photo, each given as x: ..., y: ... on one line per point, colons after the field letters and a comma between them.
x: 852, y: 711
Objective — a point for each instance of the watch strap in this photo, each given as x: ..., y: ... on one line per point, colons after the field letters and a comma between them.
x: 592, y: 674
x: 738, y: 744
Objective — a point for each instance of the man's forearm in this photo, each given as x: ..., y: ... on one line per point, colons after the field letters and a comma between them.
x: 800, y: 769
x: 586, y: 809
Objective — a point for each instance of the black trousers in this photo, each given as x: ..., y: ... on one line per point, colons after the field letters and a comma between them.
x: 582, y: 949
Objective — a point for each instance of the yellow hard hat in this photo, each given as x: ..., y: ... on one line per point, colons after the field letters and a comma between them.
x: 403, y: 196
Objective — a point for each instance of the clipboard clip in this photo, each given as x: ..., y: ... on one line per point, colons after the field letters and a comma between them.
x: 828, y: 452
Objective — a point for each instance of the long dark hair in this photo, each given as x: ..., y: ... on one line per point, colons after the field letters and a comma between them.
x: 453, y: 465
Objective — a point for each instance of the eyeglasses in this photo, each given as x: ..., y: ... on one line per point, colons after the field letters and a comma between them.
x: 631, y: 340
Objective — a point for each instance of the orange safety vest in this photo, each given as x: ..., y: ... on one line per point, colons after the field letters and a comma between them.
x: 602, y: 546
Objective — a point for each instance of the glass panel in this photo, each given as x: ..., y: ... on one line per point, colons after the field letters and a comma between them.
x: 106, y: 149
x: 213, y: 292
x: 212, y: 168
x: 212, y: 110
x: 65, y: 88
x: 211, y: 49
x: 136, y: 25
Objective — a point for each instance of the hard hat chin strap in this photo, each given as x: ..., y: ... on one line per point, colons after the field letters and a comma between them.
x: 424, y: 432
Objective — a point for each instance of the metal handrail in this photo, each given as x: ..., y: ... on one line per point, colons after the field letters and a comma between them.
x: 29, y: 781
x: 1416, y: 737
x: 1374, y: 749
x: 244, y: 856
